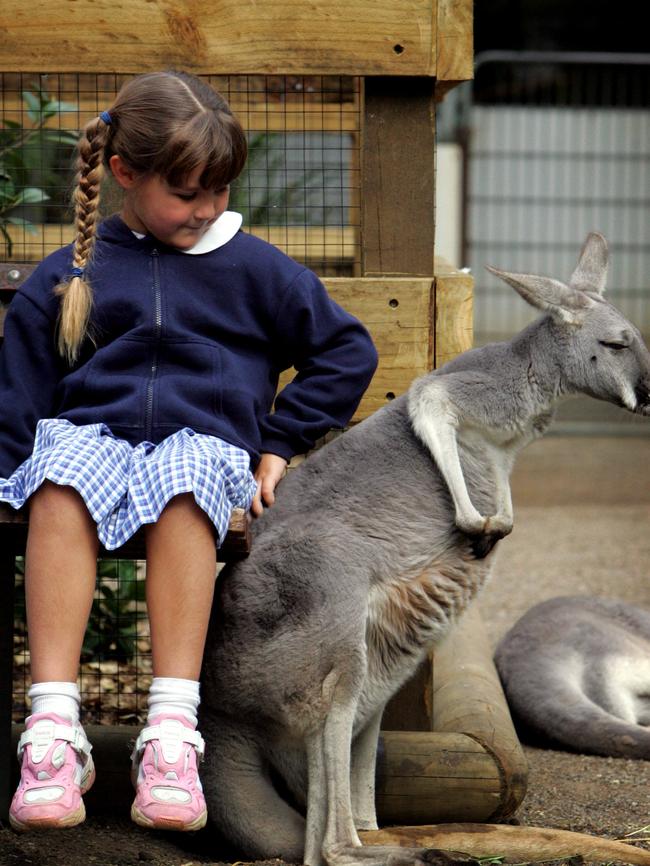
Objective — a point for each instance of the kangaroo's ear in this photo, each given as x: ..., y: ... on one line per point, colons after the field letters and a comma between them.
x: 591, y: 271
x: 564, y: 303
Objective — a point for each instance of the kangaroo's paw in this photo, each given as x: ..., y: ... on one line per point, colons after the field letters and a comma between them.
x: 499, y: 525
x: 366, y: 823
x: 471, y: 523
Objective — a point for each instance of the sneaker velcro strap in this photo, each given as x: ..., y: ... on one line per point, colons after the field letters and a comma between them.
x: 75, y: 736
x: 193, y: 738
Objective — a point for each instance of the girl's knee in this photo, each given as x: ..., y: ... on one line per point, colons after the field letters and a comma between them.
x: 55, y: 503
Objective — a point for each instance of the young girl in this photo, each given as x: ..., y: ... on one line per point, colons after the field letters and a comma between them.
x: 137, y: 380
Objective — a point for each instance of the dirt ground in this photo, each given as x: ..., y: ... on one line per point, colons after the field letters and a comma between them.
x: 582, y: 511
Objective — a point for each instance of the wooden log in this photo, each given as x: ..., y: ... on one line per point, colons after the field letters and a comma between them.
x: 421, y: 777
x: 516, y: 844
x: 425, y: 777
x: 342, y: 37
x: 468, y: 698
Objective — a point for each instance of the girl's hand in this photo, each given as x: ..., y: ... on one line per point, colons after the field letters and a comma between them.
x: 270, y: 470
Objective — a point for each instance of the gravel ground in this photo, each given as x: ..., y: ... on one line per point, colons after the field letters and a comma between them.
x: 582, y: 512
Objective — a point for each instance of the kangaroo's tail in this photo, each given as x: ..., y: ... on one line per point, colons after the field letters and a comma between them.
x: 550, y: 707
x: 243, y: 804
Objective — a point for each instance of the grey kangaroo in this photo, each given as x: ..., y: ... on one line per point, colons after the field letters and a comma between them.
x: 576, y: 673
x: 375, y: 546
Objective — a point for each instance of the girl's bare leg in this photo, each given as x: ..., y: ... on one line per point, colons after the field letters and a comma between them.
x: 60, y: 571
x: 181, y: 572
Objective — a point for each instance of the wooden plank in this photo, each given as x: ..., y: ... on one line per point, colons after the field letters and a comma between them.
x: 454, y: 311
x: 397, y: 313
x: 254, y: 116
x: 316, y: 243
x: 455, y: 44
x: 349, y: 37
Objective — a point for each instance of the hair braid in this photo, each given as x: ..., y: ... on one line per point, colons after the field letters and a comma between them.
x: 76, y: 293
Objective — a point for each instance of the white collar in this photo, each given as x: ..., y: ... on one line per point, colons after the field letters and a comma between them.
x: 219, y: 233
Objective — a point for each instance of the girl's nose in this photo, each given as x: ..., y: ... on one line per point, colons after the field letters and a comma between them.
x: 206, y: 208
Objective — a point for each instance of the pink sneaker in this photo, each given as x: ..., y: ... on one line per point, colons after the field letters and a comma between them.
x: 169, y: 795
x: 56, y: 770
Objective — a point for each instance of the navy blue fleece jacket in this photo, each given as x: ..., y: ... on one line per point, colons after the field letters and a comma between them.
x: 184, y: 341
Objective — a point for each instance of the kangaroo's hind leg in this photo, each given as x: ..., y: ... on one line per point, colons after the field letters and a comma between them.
x: 341, y: 845
x: 242, y: 800
x: 362, y: 777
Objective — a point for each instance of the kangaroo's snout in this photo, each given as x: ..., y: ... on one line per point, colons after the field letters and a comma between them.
x: 642, y: 394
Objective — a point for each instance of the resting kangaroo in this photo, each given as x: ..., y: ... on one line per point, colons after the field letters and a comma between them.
x: 576, y: 673
x: 375, y: 546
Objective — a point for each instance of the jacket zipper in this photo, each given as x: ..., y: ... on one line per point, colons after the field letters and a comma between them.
x: 157, y: 300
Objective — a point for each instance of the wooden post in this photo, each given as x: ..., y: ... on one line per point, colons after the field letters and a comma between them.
x: 398, y: 179
x: 397, y: 236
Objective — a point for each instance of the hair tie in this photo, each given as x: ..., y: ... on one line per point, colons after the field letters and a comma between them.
x: 105, y: 116
x: 77, y: 272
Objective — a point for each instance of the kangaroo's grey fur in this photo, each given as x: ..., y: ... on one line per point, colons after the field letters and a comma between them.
x: 366, y: 560
x: 576, y: 673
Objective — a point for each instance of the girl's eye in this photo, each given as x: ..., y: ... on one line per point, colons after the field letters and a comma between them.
x: 186, y: 196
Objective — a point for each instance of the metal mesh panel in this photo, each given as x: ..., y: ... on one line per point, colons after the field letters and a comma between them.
x: 115, y: 671
x: 300, y: 189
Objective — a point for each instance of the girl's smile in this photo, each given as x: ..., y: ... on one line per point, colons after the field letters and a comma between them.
x: 176, y: 216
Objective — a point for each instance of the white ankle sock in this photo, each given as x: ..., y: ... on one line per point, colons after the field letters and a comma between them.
x: 60, y: 698
x: 172, y: 695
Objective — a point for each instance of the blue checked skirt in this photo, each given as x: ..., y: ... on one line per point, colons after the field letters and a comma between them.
x: 124, y: 486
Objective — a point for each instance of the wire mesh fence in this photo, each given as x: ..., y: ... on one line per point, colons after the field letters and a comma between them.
x: 557, y: 145
x: 300, y: 191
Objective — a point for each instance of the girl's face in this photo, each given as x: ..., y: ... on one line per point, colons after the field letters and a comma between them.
x: 176, y: 216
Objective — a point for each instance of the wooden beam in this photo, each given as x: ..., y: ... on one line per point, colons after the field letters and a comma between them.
x: 454, y: 311
x: 315, y: 243
x: 398, y: 314
x: 255, y: 115
x: 455, y: 44
x: 325, y: 37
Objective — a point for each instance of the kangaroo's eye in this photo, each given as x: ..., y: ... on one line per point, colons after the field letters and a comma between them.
x: 612, y: 344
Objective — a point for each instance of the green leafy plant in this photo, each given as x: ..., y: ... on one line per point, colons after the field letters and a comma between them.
x: 27, y: 153
x: 117, y: 610
x: 263, y: 194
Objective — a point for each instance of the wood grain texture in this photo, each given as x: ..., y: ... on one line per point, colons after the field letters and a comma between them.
x: 398, y: 192
x: 454, y: 312
x: 468, y: 698
x: 349, y: 37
